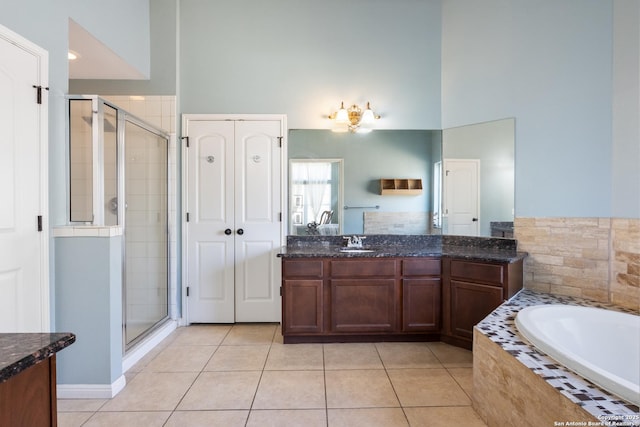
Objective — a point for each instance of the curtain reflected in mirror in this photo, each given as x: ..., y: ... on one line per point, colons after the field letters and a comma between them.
x: 315, y: 204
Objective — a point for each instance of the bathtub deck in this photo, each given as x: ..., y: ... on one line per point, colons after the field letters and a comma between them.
x: 499, y: 327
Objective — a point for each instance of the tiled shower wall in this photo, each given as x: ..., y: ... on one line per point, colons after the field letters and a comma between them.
x: 160, y: 111
x: 594, y: 258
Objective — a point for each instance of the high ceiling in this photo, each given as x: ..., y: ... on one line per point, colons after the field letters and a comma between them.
x: 95, y: 59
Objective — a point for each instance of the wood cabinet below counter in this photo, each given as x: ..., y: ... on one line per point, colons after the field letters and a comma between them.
x: 472, y: 290
x: 360, y: 299
x: 368, y: 299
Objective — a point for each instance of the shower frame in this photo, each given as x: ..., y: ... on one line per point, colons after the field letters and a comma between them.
x: 98, y: 195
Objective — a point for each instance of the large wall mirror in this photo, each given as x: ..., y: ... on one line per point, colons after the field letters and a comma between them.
x: 396, y: 181
x: 478, y: 179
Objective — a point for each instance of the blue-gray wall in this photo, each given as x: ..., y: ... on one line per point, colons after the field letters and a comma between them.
x: 163, y: 59
x: 89, y: 304
x: 552, y: 65
x: 122, y: 25
x: 626, y: 109
x: 303, y: 58
x: 549, y: 65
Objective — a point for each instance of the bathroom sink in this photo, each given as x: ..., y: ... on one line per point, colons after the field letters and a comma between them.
x: 356, y: 250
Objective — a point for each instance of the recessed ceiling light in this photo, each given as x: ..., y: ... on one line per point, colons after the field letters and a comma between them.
x: 72, y: 55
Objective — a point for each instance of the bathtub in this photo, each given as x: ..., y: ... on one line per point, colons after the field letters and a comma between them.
x: 601, y: 345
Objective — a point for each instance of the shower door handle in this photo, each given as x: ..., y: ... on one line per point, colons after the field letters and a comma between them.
x: 228, y: 231
x: 240, y: 231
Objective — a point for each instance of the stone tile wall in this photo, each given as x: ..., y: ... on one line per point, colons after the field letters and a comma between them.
x: 594, y: 258
x: 624, y: 283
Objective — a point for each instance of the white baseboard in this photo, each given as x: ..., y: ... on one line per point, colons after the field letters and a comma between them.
x: 91, y: 391
x: 145, y: 346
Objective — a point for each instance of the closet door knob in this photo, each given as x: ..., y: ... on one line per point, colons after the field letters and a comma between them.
x: 240, y: 231
x: 228, y: 231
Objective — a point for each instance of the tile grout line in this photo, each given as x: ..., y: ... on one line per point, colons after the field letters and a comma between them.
x: 197, y: 376
x: 264, y: 365
x: 324, y: 379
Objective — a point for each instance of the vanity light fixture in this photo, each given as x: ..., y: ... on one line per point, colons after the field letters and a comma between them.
x: 354, y: 119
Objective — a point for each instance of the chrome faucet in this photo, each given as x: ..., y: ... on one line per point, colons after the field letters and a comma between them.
x: 354, y: 241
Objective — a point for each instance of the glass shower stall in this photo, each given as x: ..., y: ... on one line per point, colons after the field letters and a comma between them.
x: 118, y: 177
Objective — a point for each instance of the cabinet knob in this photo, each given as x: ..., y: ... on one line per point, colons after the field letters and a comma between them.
x: 240, y: 231
x: 228, y: 231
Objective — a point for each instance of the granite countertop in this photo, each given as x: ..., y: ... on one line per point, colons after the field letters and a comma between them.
x: 19, y: 351
x: 471, y: 248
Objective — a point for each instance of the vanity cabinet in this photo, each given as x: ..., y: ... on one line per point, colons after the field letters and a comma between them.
x: 302, y: 296
x: 29, y: 398
x: 28, y: 377
x: 421, y: 288
x: 360, y: 299
x: 364, y: 295
x: 472, y: 290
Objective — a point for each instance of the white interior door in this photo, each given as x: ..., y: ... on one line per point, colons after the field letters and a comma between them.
x: 24, y: 289
x: 461, y: 196
x: 233, y: 191
x: 210, y: 206
x: 257, y: 211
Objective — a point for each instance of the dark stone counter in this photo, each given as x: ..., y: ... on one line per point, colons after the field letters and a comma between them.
x: 461, y: 247
x: 19, y: 351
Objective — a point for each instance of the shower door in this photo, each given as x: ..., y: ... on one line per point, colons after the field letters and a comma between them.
x: 146, y: 291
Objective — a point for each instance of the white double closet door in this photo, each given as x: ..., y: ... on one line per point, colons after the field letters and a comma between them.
x: 234, y: 229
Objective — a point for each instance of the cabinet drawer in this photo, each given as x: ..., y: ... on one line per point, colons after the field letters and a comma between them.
x: 303, y: 268
x: 421, y: 267
x: 478, y: 272
x: 363, y: 268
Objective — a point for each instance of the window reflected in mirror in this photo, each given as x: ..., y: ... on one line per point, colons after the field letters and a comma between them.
x: 315, y: 204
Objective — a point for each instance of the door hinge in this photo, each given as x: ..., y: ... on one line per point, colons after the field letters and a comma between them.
x: 39, y: 93
x: 280, y: 141
x: 280, y: 290
x: 187, y: 291
x: 39, y: 222
x: 187, y: 216
x: 446, y: 173
x: 187, y: 140
x: 280, y: 216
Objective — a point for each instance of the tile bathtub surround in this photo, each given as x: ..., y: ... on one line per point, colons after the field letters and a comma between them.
x: 517, y: 384
x: 242, y: 375
x: 593, y: 258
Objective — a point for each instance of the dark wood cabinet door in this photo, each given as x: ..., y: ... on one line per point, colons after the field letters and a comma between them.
x: 470, y: 303
x: 363, y: 305
x: 29, y: 398
x: 302, y: 306
x: 421, y: 305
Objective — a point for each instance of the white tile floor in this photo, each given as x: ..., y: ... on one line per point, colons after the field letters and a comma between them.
x: 242, y: 375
